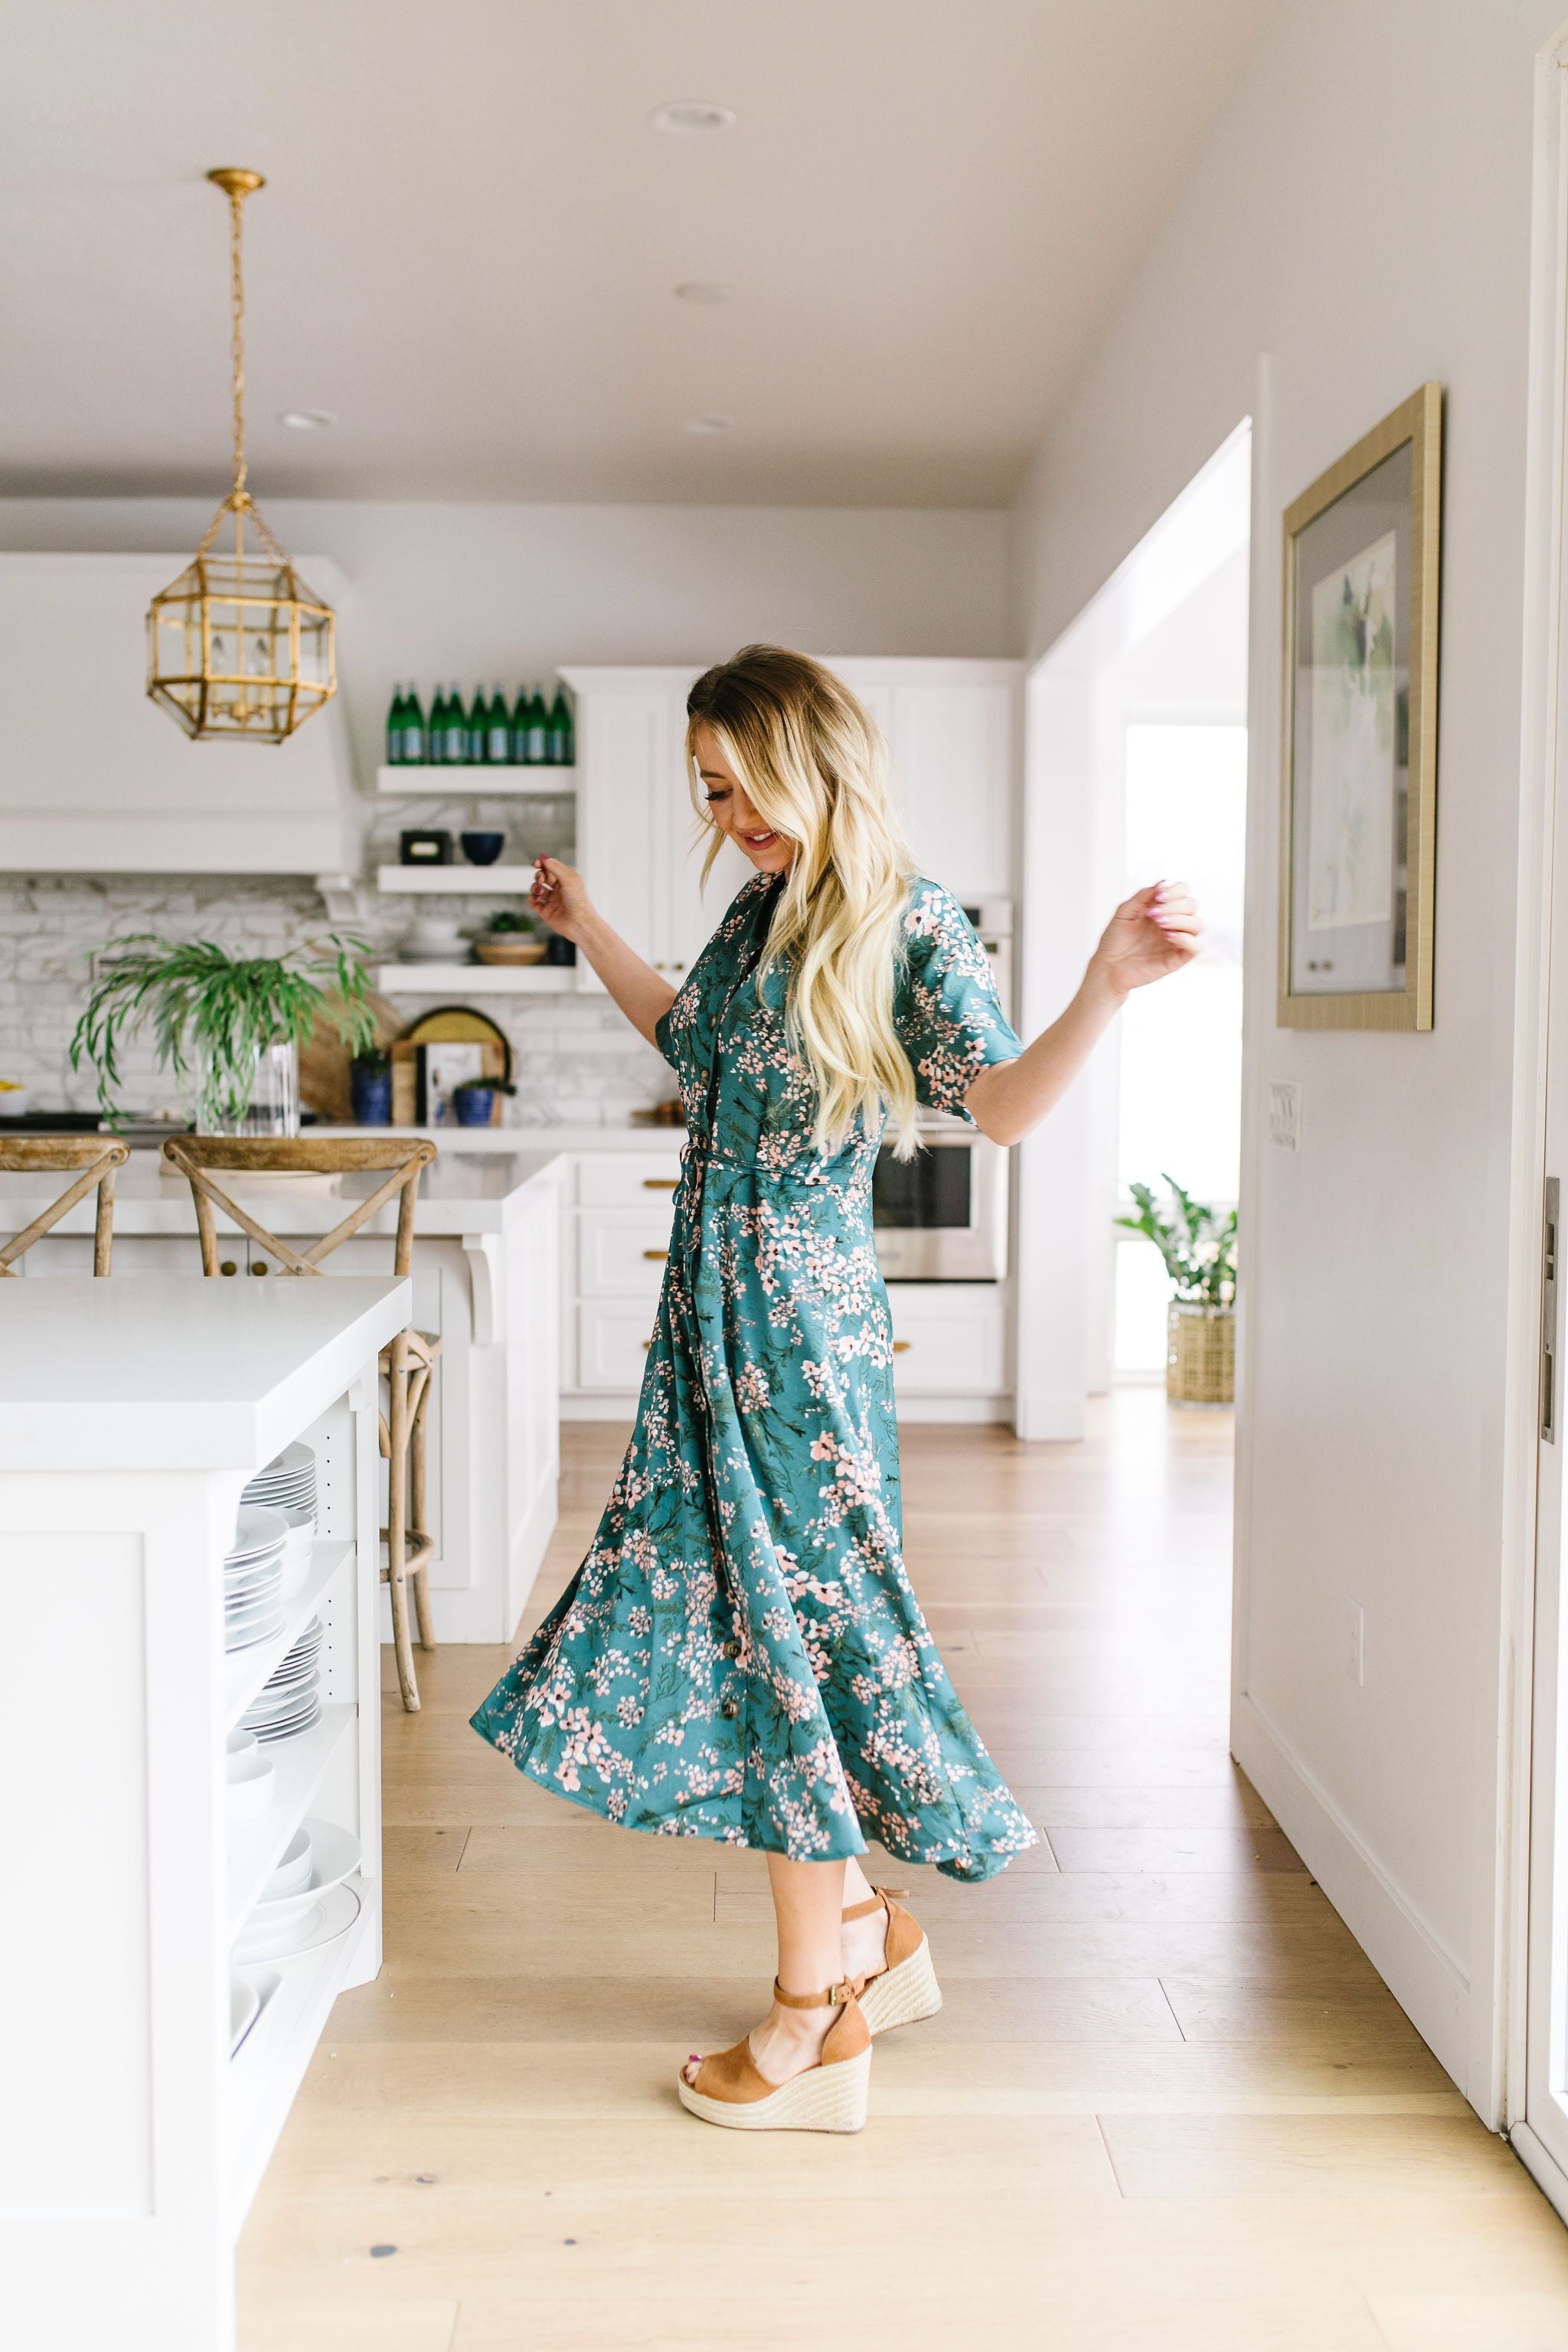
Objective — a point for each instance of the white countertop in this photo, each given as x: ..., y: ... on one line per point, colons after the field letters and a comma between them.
x: 533, y: 1137
x: 462, y: 1193
x: 173, y: 1372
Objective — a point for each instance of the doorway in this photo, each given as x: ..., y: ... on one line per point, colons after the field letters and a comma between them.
x: 1136, y: 765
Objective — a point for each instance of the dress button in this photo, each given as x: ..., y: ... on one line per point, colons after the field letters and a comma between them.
x: 730, y: 1709
x: 730, y: 1650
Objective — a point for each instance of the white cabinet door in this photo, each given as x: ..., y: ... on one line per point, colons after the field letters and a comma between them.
x: 639, y: 841
x: 948, y: 1338
x: 952, y: 727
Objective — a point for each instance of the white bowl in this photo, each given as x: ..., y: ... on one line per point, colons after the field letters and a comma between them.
x: 257, y: 1531
x: 250, y: 1777
x: 292, y: 1873
x: 13, y: 1102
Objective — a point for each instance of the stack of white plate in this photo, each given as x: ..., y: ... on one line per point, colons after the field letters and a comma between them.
x: 289, y: 1702
x: 289, y: 1484
x: 253, y: 1579
x: 305, y: 1903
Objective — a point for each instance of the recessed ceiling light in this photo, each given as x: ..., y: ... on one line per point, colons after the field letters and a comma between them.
x: 307, y: 420
x: 702, y: 290
x: 710, y: 423
x: 692, y: 114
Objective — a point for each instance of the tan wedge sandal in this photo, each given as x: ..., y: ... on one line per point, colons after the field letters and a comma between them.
x: 829, y: 2096
x: 904, y: 1988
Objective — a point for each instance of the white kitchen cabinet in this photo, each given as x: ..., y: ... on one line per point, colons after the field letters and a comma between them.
x: 618, y: 1234
x: 638, y: 843
x: 950, y: 1342
x: 954, y: 728
x: 954, y: 731
x: 95, y: 779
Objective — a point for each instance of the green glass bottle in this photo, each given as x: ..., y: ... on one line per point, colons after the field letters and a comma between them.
x: 498, y: 731
x: 519, y: 728
x: 538, y: 732
x: 435, y: 747
x: 456, y: 730
x: 394, y: 728
x: 478, y: 717
x: 414, y: 740
x: 560, y: 731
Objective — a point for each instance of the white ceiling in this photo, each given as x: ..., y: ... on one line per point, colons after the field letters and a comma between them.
x: 472, y: 233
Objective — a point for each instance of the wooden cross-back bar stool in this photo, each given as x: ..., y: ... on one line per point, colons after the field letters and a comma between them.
x: 97, y: 1157
x: 407, y: 1363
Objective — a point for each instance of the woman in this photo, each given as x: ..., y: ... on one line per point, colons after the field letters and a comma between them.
x: 740, y: 1655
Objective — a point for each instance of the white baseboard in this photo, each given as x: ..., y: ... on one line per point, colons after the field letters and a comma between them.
x: 1049, y: 1415
x: 1422, y: 1974
x: 1542, y: 2165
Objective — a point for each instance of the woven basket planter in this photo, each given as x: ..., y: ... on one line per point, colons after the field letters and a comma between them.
x: 1200, y: 1354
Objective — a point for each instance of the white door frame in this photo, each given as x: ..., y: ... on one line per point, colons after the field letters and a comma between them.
x: 1543, y: 785
x: 1070, y: 880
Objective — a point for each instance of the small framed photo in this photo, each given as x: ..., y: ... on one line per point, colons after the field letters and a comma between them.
x: 1358, y: 832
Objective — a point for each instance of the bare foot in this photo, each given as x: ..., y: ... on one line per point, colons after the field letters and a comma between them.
x: 787, y: 2042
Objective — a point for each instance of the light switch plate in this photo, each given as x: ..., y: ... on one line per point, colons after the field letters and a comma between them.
x: 1285, y: 1114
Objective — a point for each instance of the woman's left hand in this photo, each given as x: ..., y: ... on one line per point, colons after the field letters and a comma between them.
x: 1150, y: 935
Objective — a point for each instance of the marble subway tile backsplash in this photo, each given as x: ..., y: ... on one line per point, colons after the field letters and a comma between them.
x: 575, y: 1059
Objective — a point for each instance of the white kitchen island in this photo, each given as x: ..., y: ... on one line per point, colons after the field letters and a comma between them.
x: 131, y: 1414
x: 486, y: 1278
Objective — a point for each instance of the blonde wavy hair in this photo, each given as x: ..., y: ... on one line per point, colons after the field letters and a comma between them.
x: 814, y: 767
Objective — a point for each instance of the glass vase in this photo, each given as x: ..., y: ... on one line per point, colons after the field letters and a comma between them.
x: 271, y: 1104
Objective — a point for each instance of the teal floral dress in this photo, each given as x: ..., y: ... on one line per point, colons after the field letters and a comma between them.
x: 740, y: 1655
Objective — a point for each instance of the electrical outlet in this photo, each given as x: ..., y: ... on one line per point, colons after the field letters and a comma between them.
x: 1285, y: 1114
x: 1355, y: 1644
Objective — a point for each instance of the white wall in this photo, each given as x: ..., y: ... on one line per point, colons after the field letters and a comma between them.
x: 509, y: 593
x: 1362, y: 219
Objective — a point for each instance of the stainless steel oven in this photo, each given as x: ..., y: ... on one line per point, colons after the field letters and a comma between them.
x: 942, y: 1215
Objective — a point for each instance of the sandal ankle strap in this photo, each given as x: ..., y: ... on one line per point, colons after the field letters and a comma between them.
x: 879, y: 1902
x: 836, y: 1997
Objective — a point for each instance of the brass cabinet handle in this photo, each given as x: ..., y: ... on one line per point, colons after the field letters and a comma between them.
x: 647, y: 1345
x: 661, y: 1254
x: 660, y: 1183
x: 903, y: 1347
x: 228, y: 1266
x: 260, y: 1267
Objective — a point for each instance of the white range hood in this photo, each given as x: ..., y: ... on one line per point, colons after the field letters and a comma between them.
x: 94, y: 779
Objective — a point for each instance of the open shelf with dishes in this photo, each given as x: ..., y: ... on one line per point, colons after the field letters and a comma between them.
x: 300, y: 1716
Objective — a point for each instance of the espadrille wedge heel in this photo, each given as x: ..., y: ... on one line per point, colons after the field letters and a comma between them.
x: 829, y: 2096
x: 904, y: 1988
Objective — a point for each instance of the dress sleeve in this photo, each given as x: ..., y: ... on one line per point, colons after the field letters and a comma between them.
x: 946, y: 1009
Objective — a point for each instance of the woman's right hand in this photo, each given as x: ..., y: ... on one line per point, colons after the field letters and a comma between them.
x: 559, y: 896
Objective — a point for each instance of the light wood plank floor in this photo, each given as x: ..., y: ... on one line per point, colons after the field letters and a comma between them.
x: 1168, y: 2104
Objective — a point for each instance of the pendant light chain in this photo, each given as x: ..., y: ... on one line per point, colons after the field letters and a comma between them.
x: 236, y: 309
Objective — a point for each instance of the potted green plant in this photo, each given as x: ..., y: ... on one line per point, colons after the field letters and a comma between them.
x: 510, y: 937
x: 474, y: 1100
x: 1198, y: 1246
x: 233, y: 1025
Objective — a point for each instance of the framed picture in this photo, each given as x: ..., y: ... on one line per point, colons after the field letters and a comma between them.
x: 1359, y: 835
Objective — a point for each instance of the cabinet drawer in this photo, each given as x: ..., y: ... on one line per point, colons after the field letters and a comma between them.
x: 948, y: 1341
x: 627, y: 1180
x: 621, y: 1252
x: 613, y: 1344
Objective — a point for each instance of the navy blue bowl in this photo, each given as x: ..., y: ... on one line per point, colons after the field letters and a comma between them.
x: 482, y: 848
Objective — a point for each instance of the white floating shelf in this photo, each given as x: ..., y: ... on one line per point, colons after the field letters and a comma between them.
x: 456, y: 881
x: 460, y: 783
x: 476, y: 978
x: 255, y: 1848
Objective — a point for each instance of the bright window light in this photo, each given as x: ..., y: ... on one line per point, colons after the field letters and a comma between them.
x: 1181, y: 1041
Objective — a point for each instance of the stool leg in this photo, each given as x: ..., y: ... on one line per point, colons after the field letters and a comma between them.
x: 419, y: 1579
x: 397, y: 1521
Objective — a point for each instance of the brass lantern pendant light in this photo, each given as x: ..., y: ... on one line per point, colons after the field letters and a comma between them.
x: 238, y: 649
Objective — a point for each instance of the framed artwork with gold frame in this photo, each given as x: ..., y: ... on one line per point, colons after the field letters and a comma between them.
x: 1360, y: 752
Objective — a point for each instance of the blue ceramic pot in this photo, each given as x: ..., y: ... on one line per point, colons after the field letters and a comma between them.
x: 371, y: 1092
x: 482, y: 848
x: 474, y: 1106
